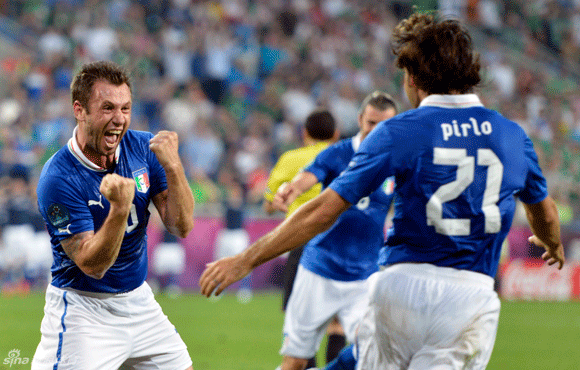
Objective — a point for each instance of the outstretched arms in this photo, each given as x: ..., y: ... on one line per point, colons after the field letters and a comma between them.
x: 310, y: 219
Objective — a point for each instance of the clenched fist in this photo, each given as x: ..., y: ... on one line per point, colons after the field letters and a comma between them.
x: 165, y: 145
x: 118, y: 190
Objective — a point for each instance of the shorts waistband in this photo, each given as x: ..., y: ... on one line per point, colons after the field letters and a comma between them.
x: 102, y: 295
x: 448, y: 273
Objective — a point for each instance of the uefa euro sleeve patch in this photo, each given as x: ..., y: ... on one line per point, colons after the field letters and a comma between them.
x: 141, y: 180
x: 58, y: 215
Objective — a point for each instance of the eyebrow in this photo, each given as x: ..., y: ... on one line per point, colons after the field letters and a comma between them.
x: 108, y: 102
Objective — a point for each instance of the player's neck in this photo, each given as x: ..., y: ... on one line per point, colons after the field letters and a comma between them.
x: 310, y: 141
x: 99, y: 160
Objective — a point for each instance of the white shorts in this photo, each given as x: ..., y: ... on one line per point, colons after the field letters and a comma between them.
x: 97, y: 331
x: 425, y: 317
x: 313, y: 303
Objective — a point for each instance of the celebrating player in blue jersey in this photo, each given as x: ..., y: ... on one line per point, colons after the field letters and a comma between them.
x: 459, y: 169
x: 331, y: 279
x: 94, y: 195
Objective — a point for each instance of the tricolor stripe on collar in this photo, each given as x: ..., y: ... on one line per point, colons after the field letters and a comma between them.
x: 76, y: 151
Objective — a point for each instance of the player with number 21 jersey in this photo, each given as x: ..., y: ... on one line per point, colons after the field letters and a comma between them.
x: 457, y: 184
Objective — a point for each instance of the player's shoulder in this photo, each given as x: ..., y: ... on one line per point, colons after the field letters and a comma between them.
x: 135, y: 136
x: 58, y: 173
x: 340, y: 147
x: 58, y: 163
x: 136, y: 142
x: 304, y: 153
x: 345, y: 143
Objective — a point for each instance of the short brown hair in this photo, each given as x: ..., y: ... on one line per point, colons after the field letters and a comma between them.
x: 82, y: 84
x: 437, y: 53
x: 320, y: 124
x: 379, y: 100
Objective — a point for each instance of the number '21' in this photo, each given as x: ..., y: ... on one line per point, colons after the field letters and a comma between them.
x: 450, y: 191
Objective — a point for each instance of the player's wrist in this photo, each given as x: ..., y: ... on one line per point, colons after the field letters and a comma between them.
x: 120, y: 209
x: 173, y: 167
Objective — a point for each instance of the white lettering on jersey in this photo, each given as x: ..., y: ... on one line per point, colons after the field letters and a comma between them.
x: 465, y: 129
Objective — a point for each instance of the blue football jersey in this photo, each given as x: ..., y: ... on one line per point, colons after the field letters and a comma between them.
x: 458, y: 168
x: 70, y: 202
x: 349, y: 250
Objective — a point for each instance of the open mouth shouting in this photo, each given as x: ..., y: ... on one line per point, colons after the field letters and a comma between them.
x: 112, y: 138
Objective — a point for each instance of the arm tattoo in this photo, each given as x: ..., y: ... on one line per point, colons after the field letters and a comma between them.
x: 72, y: 245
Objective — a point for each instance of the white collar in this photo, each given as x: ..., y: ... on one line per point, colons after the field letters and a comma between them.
x: 76, y: 151
x: 451, y: 101
x: 356, y: 140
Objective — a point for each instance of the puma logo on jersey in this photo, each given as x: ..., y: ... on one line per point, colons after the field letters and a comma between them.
x: 97, y: 203
x: 65, y: 230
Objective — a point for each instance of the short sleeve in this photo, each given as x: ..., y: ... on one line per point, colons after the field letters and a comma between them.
x: 535, y: 189
x: 321, y: 165
x: 368, y: 169
x: 63, y: 207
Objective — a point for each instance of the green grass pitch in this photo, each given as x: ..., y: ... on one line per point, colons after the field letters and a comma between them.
x: 227, y: 335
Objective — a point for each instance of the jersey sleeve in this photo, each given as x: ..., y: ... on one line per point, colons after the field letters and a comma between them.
x: 536, y: 188
x: 321, y: 165
x: 368, y: 169
x: 63, y: 207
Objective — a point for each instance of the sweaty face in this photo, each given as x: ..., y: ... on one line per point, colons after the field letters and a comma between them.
x: 369, y: 118
x: 104, y: 122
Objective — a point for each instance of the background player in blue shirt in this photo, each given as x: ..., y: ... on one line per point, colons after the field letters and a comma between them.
x: 334, y: 266
x: 459, y: 168
x: 94, y: 195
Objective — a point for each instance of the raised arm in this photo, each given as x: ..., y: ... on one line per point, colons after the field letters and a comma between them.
x: 310, y: 219
x: 94, y: 253
x: 289, y: 191
x: 175, y: 205
x: 545, y: 224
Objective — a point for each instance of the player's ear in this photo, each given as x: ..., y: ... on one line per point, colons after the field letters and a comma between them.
x: 78, y: 110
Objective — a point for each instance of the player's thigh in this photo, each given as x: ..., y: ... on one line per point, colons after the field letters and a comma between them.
x: 156, y: 342
x: 378, y: 342
x: 75, y: 336
x: 356, y: 301
x: 310, y: 308
x: 462, y: 336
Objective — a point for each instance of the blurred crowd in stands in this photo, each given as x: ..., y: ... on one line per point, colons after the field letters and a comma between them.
x: 236, y: 79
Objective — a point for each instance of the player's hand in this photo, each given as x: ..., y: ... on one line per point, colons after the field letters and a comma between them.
x: 118, y: 190
x: 551, y: 255
x: 285, y: 195
x: 165, y: 145
x: 279, y: 200
x: 220, y: 274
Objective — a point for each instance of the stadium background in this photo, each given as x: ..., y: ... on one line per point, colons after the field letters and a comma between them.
x: 235, y: 79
